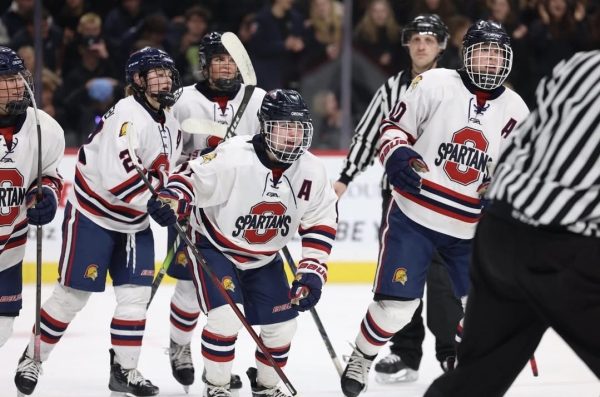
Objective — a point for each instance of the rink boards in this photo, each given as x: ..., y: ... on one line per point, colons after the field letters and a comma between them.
x: 353, y: 257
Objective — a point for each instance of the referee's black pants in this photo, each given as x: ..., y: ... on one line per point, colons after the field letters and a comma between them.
x: 524, y: 280
x: 444, y: 311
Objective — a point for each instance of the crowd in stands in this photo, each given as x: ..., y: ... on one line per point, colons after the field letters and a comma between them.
x: 293, y: 44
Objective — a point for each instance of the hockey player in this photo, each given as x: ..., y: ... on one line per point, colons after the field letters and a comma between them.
x: 215, y: 98
x: 18, y: 173
x: 106, y: 228
x: 250, y: 196
x: 438, y: 146
x: 425, y: 39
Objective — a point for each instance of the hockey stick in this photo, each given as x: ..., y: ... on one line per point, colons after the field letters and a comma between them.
x: 37, y: 339
x: 204, y: 126
x: 317, y: 319
x: 534, y: 367
x: 240, y: 56
x: 131, y: 144
x: 163, y: 270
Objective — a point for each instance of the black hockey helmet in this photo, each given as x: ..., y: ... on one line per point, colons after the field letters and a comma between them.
x: 426, y: 24
x: 149, y: 58
x: 490, y: 37
x: 211, y: 45
x: 12, y: 68
x: 281, y: 112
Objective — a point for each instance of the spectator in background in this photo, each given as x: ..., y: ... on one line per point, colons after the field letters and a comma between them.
x: 324, y: 32
x: 117, y: 22
x: 328, y: 120
x: 276, y: 45
x: 187, y: 42
x: 457, y: 27
x: 377, y: 36
x: 152, y: 30
x: 51, y: 37
x: 68, y: 16
x: 88, y: 33
x: 443, y: 8
x: 87, y: 104
x: 15, y: 18
x: 558, y: 33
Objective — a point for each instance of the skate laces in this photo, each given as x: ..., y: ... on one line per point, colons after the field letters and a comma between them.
x: 269, y: 391
x: 29, y: 369
x: 218, y: 391
x: 134, y: 377
x: 358, y: 367
x: 181, y: 356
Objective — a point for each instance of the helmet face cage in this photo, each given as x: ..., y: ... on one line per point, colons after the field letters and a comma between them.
x: 211, y: 46
x: 287, y: 139
x: 429, y: 24
x: 14, y: 96
x: 488, y: 64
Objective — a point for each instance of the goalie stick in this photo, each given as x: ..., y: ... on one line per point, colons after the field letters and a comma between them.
x: 131, y: 145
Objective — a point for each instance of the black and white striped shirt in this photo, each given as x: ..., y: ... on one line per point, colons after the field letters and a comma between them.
x: 364, y: 142
x: 549, y: 174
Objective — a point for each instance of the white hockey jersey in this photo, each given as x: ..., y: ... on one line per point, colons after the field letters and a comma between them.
x: 18, y: 173
x: 250, y: 215
x: 194, y: 103
x: 107, y: 188
x: 459, y: 135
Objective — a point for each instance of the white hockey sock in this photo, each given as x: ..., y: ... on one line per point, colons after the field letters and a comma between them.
x: 277, y: 338
x: 6, y: 328
x: 56, y: 314
x: 185, y: 311
x: 218, y: 344
x: 382, y: 321
x: 128, y: 323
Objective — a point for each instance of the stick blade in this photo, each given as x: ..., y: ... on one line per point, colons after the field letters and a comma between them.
x: 196, y: 126
x: 236, y: 49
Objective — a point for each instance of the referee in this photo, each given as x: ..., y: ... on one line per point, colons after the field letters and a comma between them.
x: 444, y: 309
x: 537, y: 248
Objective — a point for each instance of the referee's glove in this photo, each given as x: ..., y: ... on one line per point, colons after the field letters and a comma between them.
x: 402, y: 167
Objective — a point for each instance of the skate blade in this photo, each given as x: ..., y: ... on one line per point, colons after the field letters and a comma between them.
x: 186, y: 389
x: 400, y: 377
x: 121, y: 394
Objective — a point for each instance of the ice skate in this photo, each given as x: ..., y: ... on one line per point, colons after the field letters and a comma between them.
x: 211, y: 390
x: 28, y: 372
x: 129, y: 381
x: 262, y: 391
x: 391, y: 369
x: 181, y: 364
x: 356, y: 375
x: 235, y: 383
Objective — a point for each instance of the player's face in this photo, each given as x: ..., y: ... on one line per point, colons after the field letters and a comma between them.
x: 423, y: 50
x: 488, y: 58
x: 222, y: 66
x: 158, y: 80
x: 287, y: 135
x: 12, y: 89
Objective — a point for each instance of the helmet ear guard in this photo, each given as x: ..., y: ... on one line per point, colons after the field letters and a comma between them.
x: 487, y: 41
x: 286, y: 124
x: 12, y: 70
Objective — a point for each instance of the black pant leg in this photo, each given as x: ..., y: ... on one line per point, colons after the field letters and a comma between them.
x: 444, y: 310
x: 501, y: 328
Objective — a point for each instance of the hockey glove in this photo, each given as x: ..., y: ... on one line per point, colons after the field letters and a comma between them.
x: 401, y: 166
x: 42, y: 212
x: 306, y: 287
x: 164, y: 207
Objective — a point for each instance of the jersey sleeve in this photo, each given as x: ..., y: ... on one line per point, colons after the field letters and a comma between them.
x: 121, y: 177
x: 401, y: 126
x: 318, y: 227
x: 204, y: 181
